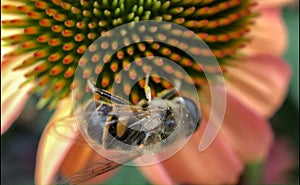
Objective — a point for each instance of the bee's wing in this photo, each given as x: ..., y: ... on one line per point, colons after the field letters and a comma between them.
x: 65, y: 129
x: 97, y: 168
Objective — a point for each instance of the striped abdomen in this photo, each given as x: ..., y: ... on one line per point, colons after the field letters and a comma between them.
x: 105, y: 128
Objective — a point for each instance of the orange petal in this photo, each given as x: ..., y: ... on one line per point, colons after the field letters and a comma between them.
x: 245, y: 131
x: 269, y: 34
x: 216, y: 165
x: 255, y: 81
x: 13, y: 98
x: 79, y: 156
x: 52, y: 148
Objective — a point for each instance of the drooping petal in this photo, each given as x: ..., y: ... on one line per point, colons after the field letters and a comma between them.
x: 244, y: 130
x: 14, y: 97
x: 80, y: 156
x: 53, y: 147
x: 281, y: 161
x: 260, y: 82
x: 12, y: 106
x: 216, y: 165
x: 269, y: 34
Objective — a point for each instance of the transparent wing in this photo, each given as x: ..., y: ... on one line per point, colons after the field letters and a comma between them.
x: 97, y: 168
x: 67, y: 128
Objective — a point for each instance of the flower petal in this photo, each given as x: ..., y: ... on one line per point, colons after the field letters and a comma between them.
x: 78, y: 157
x: 255, y: 81
x: 157, y: 174
x: 14, y: 98
x: 53, y: 149
x: 280, y: 163
x: 216, y: 165
x: 274, y: 3
x: 269, y: 34
x: 245, y: 131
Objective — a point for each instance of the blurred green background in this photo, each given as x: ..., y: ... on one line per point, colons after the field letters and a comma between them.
x: 19, y: 144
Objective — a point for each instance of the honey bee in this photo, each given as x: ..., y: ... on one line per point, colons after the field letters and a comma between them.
x: 147, y: 127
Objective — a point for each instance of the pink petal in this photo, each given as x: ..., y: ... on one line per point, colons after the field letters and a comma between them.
x: 280, y: 163
x: 260, y: 82
x: 274, y: 3
x: 269, y: 34
x: 14, y: 98
x: 54, y: 147
x: 216, y: 165
x: 157, y: 174
x: 248, y: 134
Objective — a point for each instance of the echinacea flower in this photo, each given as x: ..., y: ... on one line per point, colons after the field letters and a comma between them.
x: 50, y: 38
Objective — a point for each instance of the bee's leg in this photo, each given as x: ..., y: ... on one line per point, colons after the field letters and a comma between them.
x: 163, y: 95
x: 147, y: 89
x: 166, y: 94
x: 108, y: 96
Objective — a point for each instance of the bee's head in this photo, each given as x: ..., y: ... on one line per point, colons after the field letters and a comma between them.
x: 194, y: 111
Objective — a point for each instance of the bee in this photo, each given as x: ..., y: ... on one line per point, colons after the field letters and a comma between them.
x: 147, y: 127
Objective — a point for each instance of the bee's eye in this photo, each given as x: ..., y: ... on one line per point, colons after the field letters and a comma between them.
x: 193, y: 110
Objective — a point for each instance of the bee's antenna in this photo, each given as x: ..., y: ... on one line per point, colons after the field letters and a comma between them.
x: 177, y: 84
x: 105, y: 94
x: 147, y: 88
x: 92, y: 86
